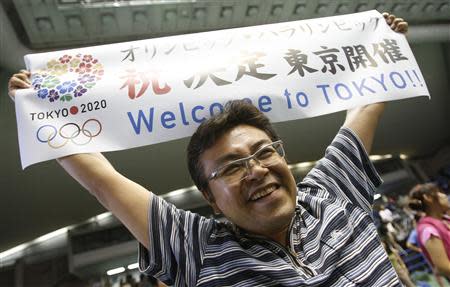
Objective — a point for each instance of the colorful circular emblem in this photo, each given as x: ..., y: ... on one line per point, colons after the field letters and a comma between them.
x: 67, y: 78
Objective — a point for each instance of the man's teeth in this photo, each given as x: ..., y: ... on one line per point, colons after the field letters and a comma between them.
x: 262, y: 193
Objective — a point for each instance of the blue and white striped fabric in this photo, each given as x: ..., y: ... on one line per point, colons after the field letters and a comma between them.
x: 333, y: 241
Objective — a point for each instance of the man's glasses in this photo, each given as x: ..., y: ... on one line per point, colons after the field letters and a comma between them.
x: 238, y: 170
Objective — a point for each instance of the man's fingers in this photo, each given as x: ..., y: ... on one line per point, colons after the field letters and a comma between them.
x: 22, y: 76
x: 402, y: 27
x: 14, y: 84
x: 20, y: 80
x: 18, y: 83
x: 396, y: 22
x: 390, y: 19
x: 26, y: 72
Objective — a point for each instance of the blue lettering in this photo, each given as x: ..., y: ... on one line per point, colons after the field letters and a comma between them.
x: 391, y: 75
x: 194, y: 115
x: 361, y: 86
x: 323, y: 87
x: 166, y: 117
x: 183, y: 114
x: 263, y: 102
x: 288, y: 99
x: 381, y: 81
x: 349, y: 93
x: 302, y: 103
x: 211, y: 108
x: 141, y: 117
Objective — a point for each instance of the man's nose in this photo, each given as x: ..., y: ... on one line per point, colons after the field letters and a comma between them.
x: 255, y: 170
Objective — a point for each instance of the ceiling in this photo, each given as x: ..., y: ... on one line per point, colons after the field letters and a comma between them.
x: 43, y: 198
x: 68, y: 23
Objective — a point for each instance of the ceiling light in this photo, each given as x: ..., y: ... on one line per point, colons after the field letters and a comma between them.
x: 115, y: 271
x: 50, y: 235
x: 13, y: 250
x: 380, y: 157
x: 102, y: 216
x: 133, y: 266
x: 302, y: 164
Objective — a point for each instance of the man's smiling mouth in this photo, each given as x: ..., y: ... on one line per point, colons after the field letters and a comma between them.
x: 264, y: 192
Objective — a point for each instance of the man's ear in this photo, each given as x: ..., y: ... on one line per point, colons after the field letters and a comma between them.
x: 207, y: 194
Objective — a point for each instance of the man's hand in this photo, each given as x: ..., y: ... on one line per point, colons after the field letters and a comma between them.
x: 20, y: 80
x: 396, y: 24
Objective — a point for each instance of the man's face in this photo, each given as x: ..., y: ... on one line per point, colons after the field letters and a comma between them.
x: 239, y: 202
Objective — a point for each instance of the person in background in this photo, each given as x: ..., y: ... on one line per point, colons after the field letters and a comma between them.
x: 413, y: 242
x: 388, y: 228
x: 433, y: 229
x: 398, y: 263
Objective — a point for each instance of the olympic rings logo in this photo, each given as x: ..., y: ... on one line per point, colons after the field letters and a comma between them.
x: 69, y: 132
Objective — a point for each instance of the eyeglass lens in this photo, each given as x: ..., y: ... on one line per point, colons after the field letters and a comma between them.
x: 239, y: 170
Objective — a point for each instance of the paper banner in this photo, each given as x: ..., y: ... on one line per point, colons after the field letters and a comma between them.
x: 125, y: 95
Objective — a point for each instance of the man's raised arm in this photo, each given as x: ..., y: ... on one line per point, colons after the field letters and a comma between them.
x: 127, y: 200
x: 364, y: 120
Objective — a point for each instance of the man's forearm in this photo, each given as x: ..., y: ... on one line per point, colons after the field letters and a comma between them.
x: 89, y: 169
x: 127, y: 200
x: 364, y: 121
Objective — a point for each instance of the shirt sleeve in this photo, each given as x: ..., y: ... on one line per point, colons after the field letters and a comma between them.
x: 412, y: 238
x: 427, y: 232
x: 346, y: 171
x: 177, y: 242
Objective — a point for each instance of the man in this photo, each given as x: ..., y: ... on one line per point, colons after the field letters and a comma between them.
x: 318, y: 233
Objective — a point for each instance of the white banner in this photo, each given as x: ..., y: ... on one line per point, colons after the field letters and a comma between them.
x: 125, y: 95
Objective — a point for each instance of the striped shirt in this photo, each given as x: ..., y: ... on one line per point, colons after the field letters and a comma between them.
x: 332, y: 240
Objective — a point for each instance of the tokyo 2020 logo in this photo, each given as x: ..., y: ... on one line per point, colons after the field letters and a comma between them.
x: 67, y: 77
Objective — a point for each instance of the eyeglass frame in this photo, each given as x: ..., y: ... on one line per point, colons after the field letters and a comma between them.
x: 247, y: 159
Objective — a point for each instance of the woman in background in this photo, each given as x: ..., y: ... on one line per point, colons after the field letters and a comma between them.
x: 434, y: 228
